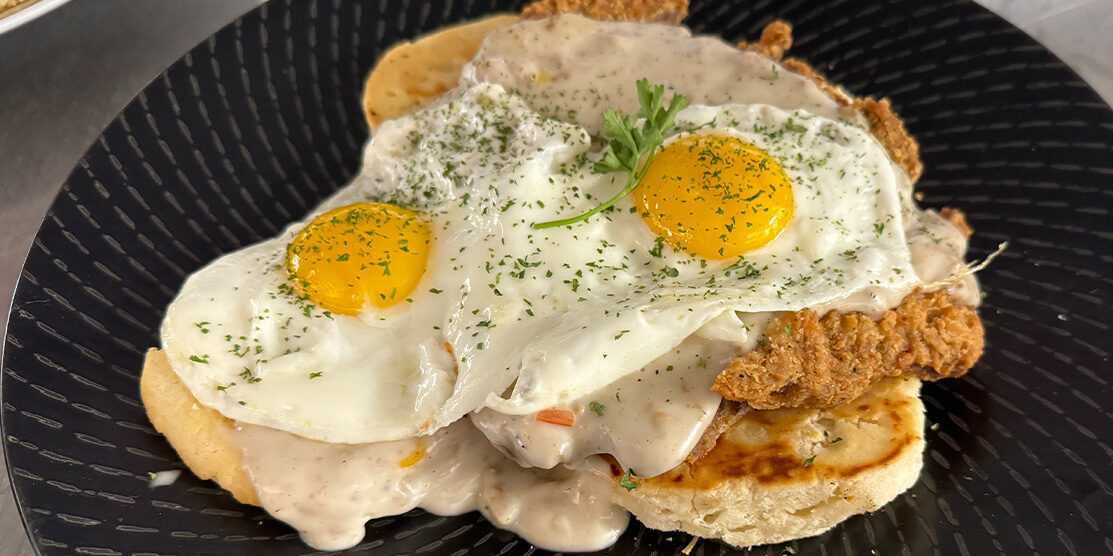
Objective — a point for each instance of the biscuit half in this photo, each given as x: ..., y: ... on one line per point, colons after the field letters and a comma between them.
x: 791, y: 473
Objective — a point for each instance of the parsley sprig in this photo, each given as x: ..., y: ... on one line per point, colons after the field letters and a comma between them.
x: 629, y: 143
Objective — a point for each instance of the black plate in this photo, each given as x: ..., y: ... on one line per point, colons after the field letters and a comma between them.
x: 254, y: 126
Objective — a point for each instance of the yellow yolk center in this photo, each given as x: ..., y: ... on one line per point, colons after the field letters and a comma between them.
x: 359, y: 254
x: 714, y: 196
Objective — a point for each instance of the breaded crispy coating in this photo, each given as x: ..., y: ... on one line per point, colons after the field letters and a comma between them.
x: 808, y: 361
x: 775, y: 39
x: 803, y: 68
x: 889, y: 129
x: 728, y: 414
x: 957, y: 218
x: 646, y: 11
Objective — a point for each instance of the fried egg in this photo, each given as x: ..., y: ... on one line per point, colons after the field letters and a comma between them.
x: 421, y: 292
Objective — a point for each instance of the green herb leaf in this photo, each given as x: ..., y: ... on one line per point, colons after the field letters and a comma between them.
x: 629, y: 144
x: 809, y: 461
x: 627, y: 482
x: 795, y: 128
x: 597, y: 407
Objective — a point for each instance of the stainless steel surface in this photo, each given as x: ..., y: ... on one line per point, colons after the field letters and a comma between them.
x: 65, y: 75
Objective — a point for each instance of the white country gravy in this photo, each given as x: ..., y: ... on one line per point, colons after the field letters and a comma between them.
x: 328, y: 491
x: 541, y: 480
x: 648, y: 420
x: 572, y: 68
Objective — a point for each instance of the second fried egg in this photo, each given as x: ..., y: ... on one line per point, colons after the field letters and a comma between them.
x: 451, y: 302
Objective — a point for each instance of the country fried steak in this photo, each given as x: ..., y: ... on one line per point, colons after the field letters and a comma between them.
x: 810, y: 361
x: 726, y: 417
x: 832, y: 359
x: 645, y: 11
x: 885, y: 125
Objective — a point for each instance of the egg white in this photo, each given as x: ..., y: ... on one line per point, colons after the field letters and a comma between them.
x: 535, y: 318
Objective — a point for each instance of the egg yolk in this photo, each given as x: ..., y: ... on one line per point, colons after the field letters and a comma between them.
x: 359, y: 254
x: 714, y: 196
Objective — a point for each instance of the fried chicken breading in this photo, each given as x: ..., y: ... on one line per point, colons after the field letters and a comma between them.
x: 648, y: 11
x: 957, y: 218
x: 729, y: 413
x: 775, y: 39
x: 889, y: 129
x: 808, y: 361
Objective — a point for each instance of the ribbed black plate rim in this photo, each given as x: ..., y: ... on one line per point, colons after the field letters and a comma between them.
x: 255, y: 125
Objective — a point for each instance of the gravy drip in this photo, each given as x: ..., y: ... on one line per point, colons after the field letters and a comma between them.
x: 649, y: 420
x: 329, y: 491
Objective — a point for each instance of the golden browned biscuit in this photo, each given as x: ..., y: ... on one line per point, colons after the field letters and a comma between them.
x: 791, y: 473
x: 412, y: 74
x: 6, y: 5
x: 197, y: 433
x: 808, y: 361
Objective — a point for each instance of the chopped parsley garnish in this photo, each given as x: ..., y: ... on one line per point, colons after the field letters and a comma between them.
x: 630, y: 143
x: 795, y: 127
x: 315, y: 375
x: 249, y: 376
x: 597, y: 407
x: 627, y: 482
x: 203, y: 359
x: 809, y: 461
